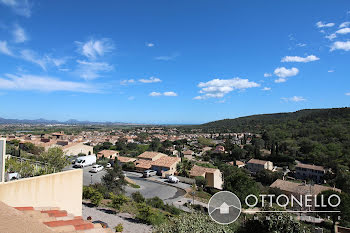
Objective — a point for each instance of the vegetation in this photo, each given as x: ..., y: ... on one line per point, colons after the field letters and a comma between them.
x: 118, y: 200
x: 149, y: 216
x: 114, y: 180
x: 119, y: 228
x: 137, y: 197
x: 201, y: 182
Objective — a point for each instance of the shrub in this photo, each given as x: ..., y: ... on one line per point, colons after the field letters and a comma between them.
x: 118, y: 200
x: 137, y: 197
x: 119, y: 228
x: 96, y: 198
x: 129, y: 166
x: 172, y: 209
x: 201, y: 182
x: 87, y: 192
x: 155, y: 202
x: 149, y: 216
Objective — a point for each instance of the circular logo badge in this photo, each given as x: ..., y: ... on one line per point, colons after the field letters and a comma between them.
x: 224, y: 207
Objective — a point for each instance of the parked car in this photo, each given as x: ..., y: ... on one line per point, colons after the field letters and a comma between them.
x: 108, y: 165
x: 84, y: 161
x: 96, y: 168
x: 149, y: 173
x: 173, y: 179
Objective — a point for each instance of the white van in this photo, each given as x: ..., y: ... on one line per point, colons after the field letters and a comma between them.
x: 84, y: 161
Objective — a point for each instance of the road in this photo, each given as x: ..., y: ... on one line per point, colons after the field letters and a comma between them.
x: 148, y: 187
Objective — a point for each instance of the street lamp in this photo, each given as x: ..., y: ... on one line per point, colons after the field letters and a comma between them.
x: 91, y: 179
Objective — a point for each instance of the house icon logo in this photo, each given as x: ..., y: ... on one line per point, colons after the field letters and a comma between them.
x: 224, y: 208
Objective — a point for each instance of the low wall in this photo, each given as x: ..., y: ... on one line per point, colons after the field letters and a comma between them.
x: 63, y: 190
x: 186, y: 180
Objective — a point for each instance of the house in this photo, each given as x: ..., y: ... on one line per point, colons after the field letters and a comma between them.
x: 237, y: 163
x: 308, y: 171
x: 123, y: 159
x: 143, y: 165
x: 256, y: 165
x: 300, y: 189
x: 165, y: 165
x: 110, y: 154
x: 219, y: 149
x: 77, y: 148
x: 213, y: 176
x: 188, y: 154
x: 151, y: 155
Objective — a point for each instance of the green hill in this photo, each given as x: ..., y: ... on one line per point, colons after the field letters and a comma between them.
x: 258, y: 123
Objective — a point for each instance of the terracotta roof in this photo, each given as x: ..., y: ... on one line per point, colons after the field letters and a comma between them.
x: 300, y: 188
x: 187, y: 152
x: 200, y: 171
x: 44, y: 220
x: 107, y: 153
x: 123, y: 159
x: 142, y: 163
x: 310, y: 166
x: 257, y: 161
x: 238, y: 163
x: 166, y: 161
x: 149, y: 155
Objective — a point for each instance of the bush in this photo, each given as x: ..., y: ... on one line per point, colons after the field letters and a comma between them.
x: 149, y: 216
x: 172, y: 209
x: 87, y: 192
x: 129, y: 166
x: 119, y: 228
x: 102, y: 189
x: 96, y: 198
x: 137, y: 197
x: 155, y: 202
x: 118, y: 200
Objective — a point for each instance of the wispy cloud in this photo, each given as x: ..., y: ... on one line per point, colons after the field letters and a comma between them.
x: 149, y: 44
x: 294, y: 99
x: 320, y: 24
x: 43, y: 83
x: 300, y: 59
x: 283, y: 72
x: 301, y: 45
x: 20, y: 7
x: 344, y: 25
x: 31, y: 56
x: 19, y: 34
x: 5, y: 49
x: 266, y: 89
x: 348, y: 94
x: 343, y: 31
x: 92, y: 70
x: 167, y: 93
x: 331, y: 36
x: 127, y: 81
x: 218, y: 88
x: 341, y: 45
x: 330, y: 71
x: 95, y: 48
x: 280, y: 80
x: 150, y: 80
x: 266, y: 75
x: 131, y: 97
x: 167, y: 58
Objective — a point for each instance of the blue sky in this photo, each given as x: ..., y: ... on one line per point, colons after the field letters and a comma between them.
x: 162, y: 61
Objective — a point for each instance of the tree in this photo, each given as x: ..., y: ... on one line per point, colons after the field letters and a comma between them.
x: 96, y: 198
x: 118, y: 200
x: 31, y: 148
x: 201, y: 182
x: 149, y: 216
x: 137, y: 197
x: 184, y: 167
x: 267, y: 177
x: 54, y: 158
x: 114, y: 179
x: 129, y: 166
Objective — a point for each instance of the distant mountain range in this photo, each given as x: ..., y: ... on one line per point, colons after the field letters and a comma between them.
x: 68, y: 122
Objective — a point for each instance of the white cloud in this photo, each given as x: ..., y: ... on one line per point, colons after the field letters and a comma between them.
x: 340, y: 45
x: 167, y: 58
x: 280, y: 80
x: 95, y: 48
x: 343, y: 31
x: 294, y: 99
x: 150, y: 80
x: 149, y: 44
x: 344, y: 25
x: 267, y: 75
x: 5, y: 49
x: 330, y: 71
x: 19, y: 34
x: 43, y: 83
x: 348, y: 94
x: 131, y: 97
x: 324, y: 25
x: 218, y: 88
x: 169, y: 93
x: 31, y: 56
x: 300, y: 59
x: 155, y: 93
x: 127, y: 81
x: 331, y: 36
x: 266, y: 89
x: 283, y: 72
x: 92, y: 70
x: 301, y: 45
x: 20, y: 7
